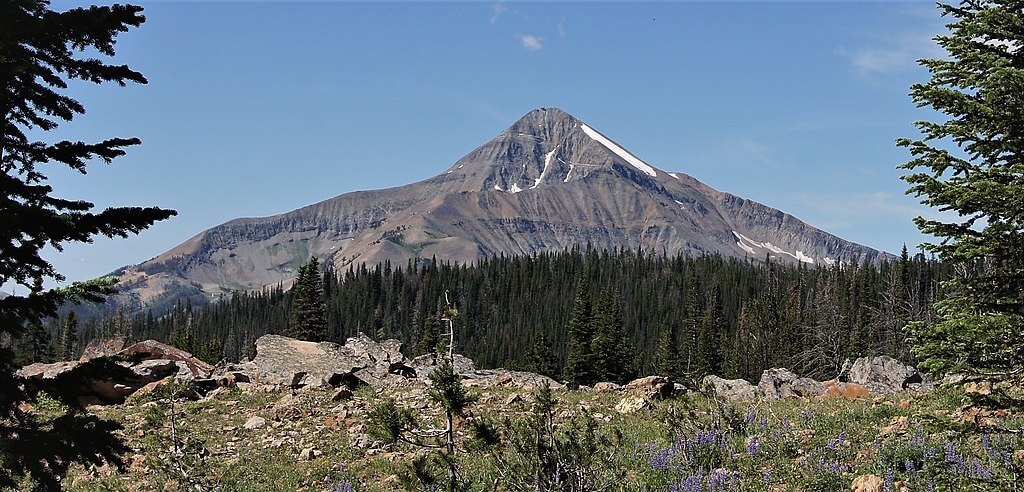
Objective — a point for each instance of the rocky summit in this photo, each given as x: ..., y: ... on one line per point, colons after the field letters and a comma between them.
x: 546, y: 183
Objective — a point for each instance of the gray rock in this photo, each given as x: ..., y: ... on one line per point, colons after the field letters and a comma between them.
x: 631, y: 404
x: 100, y: 380
x: 189, y: 366
x: 808, y: 387
x: 731, y: 389
x: 291, y: 362
x: 883, y: 374
x: 782, y: 383
x: 104, y: 347
x: 254, y: 422
x: 607, y: 387
x: 650, y: 387
x: 424, y: 364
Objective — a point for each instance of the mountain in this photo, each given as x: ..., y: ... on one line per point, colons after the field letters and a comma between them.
x: 546, y: 183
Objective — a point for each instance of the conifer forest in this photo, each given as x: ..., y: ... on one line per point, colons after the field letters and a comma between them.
x: 627, y: 311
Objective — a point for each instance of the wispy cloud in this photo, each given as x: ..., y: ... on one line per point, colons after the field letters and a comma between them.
x: 531, y: 42
x: 892, y: 53
x: 497, y: 10
x: 561, y: 28
x: 846, y: 210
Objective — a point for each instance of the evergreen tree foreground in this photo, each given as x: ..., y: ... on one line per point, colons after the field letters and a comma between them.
x: 972, y: 164
x: 309, y: 313
x: 40, y: 51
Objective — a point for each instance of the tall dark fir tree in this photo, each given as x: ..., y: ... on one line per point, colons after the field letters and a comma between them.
x: 309, y: 311
x: 579, y: 365
x: 40, y: 51
x: 972, y: 162
x: 68, y: 337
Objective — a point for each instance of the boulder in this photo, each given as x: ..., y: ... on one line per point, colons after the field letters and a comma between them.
x: 631, y: 404
x: 807, y: 387
x: 287, y: 361
x: 607, y: 387
x: 189, y: 367
x: 867, y: 483
x: 97, y: 381
x: 782, y: 383
x: 650, y: 387
x: 881, y: 374
x: 731, y: 389
x: 424, y: 364
x: 103, y: 348
x: 254, y: 422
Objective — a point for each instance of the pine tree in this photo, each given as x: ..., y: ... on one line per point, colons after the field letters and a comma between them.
x: 972, y: 163
x: 68, y: 337
x: 428, y: 336
x: 580, y: 365
x: 666, y: 356
x: 309, y: 316
x: 34, y: 345
x: 613, y: 355
x: 710, y: 333
x: 541, y: 358
x: 40, y: 53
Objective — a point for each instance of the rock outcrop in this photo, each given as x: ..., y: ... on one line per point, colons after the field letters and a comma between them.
x: 362, y: 361
x: 880, y: 374
x: 650, y: 387
x: 730, y: 389
x: 782, y: 383
x: 290, y: 362
x: 102, y: 377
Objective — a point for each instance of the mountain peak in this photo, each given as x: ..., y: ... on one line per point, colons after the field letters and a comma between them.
x: 546, y: 183
x: 545, y: 116
x: 546, y: 146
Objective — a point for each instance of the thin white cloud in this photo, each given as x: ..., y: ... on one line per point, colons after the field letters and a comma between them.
x: 887, y: 53
x: 840, y: 210
x: 531, y: 42
x: 561, y: 28
x: 497, y: 10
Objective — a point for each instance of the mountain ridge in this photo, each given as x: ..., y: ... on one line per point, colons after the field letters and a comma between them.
x: 547, y: 182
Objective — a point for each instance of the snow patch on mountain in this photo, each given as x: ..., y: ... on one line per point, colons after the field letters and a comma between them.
x: 571, y: 166
x: 751, y: 246
x: 621, y: 152
x: 547, y: 165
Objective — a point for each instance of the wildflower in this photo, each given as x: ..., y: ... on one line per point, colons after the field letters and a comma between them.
x: 753, y: 446
x: 980, y: 471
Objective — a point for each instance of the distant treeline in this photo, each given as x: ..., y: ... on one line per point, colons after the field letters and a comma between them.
x: 731, y: 316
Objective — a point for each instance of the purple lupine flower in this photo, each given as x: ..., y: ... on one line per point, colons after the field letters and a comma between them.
x: 661, y: 459
x: 980, y: 471
x: 889, y: 485
x: 718, y: 479
x: 753, y: 446
x: 785, y: 425
x: 910, y: 467
x: 767, y: 476
x: 692, y: 483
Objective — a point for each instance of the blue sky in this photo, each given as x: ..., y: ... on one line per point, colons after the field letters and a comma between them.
x: 259, y: 108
